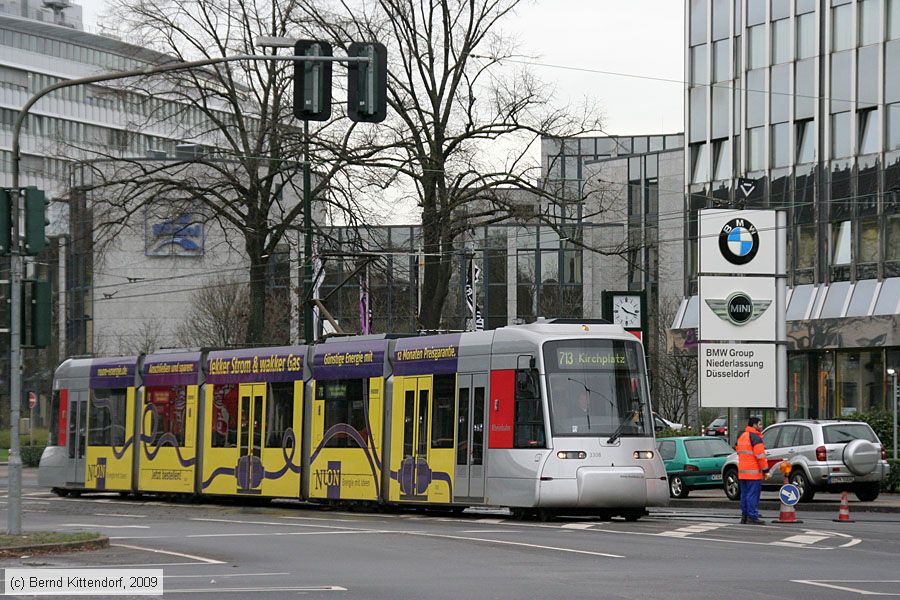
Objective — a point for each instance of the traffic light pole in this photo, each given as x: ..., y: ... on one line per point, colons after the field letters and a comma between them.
x: 308, y: 333
x: 14, y: 506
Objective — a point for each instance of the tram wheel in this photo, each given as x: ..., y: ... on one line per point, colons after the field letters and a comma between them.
x: 60, y: 492
x: 545, y: 514
x: 605, y: 515
x: 632, y: 515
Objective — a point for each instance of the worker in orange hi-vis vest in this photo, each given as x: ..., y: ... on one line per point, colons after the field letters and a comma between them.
x: 752, y: 467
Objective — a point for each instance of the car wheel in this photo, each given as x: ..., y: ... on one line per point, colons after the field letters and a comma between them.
x: 677, y: 488
x: 868, y: 492
x: 732, y: 484
x: 799, y: 479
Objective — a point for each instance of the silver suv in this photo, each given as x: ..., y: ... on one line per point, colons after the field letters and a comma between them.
x: 830, y: 456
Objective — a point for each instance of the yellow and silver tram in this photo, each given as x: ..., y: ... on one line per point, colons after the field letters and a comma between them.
x: 541, y: 418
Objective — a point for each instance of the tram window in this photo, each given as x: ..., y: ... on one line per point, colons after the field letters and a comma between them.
x: 168, y: 409
x: 279, y: 413
x: 442, y: 412
x: 478, y: 427
x: 73, y: 425
x: 529, y: 416
x: 53, y: 433
x: 225, y: 416
x: 462, y: 428
x: 106, y: 419
x: 409, y: 411
x: 346, y: 404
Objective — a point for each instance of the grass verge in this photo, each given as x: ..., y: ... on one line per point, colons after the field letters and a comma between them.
x: 46, y: 537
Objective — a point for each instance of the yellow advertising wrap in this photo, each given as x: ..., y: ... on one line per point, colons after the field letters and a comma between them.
x: 353, y: 472
x: 164, y: 465
x: 419, y: 471
x: 239, y: 460
x: 109, y: 467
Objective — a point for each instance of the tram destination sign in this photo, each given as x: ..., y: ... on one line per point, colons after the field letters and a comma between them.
x: 737, y: 375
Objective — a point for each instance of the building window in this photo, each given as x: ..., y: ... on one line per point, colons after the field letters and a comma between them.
x: 869, y: 22
x: 756, y: 97
x: 806, y: 246
x: 780, y: 144
x: 806, y: 138
x: 840, y: 243
x: 867, y: 242
x: 842, y: 27
x: 840, y: 135
x: 698, y: 22
x: 721, y: 61
x: 698, y: 114
x: 699, y: 163
x: 859, y: 382
x: 756, y: 149
x: 869, y: 131
x: 780, y: 102
x: 722, y: 160
x: 721, y: 19
x: 893, y: 126
x: 699, y: 66
x: 806, y: 36
x: 757, y: 43
x: 893, y: 19
x: 781, y: 41
x: 720, y: 114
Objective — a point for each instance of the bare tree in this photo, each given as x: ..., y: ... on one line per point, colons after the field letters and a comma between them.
x: 675, y: 371
x: 243, y: 168
x: 462, y: 119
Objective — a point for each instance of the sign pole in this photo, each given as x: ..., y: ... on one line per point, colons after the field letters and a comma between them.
x: 781, y: 362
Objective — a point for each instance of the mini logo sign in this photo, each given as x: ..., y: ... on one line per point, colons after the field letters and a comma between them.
x: 181, y: 236
x: 738, y: 241
x: 738, y: 308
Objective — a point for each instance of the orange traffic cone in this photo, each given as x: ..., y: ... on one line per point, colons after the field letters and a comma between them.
x: 787, y: 514
x: 844, y: 513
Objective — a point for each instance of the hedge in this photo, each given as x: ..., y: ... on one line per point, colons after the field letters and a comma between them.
x: 31, y: 455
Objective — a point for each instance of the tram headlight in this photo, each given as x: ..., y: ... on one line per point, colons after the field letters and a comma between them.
x: 564, y: 454
x: 645, y: 454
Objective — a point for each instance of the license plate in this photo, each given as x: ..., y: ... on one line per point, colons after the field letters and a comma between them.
x: 840, y: 480
x: 716, y: 477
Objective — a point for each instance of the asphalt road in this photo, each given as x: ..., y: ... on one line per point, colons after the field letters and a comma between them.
x: 289, y: 550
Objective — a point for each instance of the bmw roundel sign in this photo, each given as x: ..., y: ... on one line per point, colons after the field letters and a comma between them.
x: 737, y: 242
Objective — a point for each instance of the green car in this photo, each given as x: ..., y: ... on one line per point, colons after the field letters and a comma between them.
x: 693, y: 462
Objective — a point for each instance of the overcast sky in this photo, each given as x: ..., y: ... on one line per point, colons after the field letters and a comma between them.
x: 638, y: 37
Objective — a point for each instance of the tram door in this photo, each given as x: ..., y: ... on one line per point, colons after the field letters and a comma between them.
x: 415, y: 473
x: 251, y: 400
x: 470, y: 411
x: 77, y: 435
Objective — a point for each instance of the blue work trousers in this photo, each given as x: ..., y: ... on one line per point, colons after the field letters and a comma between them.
x: 750, y: 489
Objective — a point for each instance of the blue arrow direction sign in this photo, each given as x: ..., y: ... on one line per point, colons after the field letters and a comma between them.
x: 790, y: 494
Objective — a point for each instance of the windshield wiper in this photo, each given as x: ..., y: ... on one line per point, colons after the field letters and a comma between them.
x: 618, y: 432
x: 587, y: 410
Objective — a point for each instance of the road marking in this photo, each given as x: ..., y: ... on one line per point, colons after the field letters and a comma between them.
x: 120, y: 515
x: 692, y: 529
x: 578, y: 525
x: 805, y: 539
x: 275, y: 523
x: 491, y: 521
x: 220, y: 590
x: 223, y: 575
x: 507, y: 543
x: 320, y: 519
x: 105, y: 526
x: 208, y: 561
x: 276, y: 533
x: 831, y: 584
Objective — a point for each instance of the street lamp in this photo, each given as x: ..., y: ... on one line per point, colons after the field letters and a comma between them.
x: 893, y: 374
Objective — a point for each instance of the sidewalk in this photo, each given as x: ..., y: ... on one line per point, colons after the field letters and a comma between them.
x: 885, y: 503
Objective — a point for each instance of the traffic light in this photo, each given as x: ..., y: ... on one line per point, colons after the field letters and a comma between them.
x: 367, y: 87
x: 312, y: 82
x: 41, y: 314
x: 35, y: 220
x: 5, y: 221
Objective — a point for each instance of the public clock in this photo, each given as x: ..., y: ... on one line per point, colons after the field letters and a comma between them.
x: 626, y: 311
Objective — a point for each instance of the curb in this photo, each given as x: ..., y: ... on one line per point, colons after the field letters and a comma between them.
x: 16, y: 551
x: 776, y: 505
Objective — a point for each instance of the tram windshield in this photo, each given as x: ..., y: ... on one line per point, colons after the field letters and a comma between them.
x: 597, y: 388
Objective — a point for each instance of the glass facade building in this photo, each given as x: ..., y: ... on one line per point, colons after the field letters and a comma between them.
x: 803, y: 97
